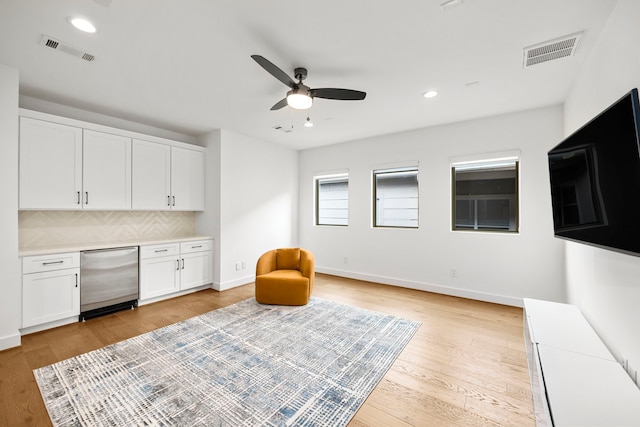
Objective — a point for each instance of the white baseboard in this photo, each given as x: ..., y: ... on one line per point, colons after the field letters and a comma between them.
x: 49, y: 325
x: 10, y: 341
x: 428, y: 287
x: 223, y: 286
x: 174, y: 295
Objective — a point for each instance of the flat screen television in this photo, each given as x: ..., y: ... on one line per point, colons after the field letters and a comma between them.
x: 595, y: 180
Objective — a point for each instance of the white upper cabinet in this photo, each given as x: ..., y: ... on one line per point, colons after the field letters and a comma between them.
x: 50, y: 165
x: 167, y: 178
x: 106, y: 177
x: 60, y: 168
x: 187, y: 179
x: 151, y: 176
x: 76, y: 165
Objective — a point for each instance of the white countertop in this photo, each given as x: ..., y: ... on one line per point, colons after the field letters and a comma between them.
x: 77, y: 247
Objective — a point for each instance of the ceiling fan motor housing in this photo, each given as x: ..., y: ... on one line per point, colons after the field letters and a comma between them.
x: 300, y: 73
x: 300, y: 89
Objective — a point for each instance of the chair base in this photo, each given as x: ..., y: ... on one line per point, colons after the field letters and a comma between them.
x: 282, y: 287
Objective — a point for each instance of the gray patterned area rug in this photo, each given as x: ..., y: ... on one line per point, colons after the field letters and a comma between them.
x: 243, y: 365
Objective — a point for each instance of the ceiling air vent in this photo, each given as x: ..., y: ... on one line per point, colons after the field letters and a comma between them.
x: 282, y: 129
x: 63, y: 47
x: 551, y: 50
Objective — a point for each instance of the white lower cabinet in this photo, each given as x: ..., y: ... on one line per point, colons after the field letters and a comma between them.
x: 159, y: 270
x: 50, y: 288
x: 170, y: 268
x: 196, y: 264
x: 575, y: 380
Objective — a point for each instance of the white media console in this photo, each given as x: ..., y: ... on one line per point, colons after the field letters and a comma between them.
x: 575, y: 380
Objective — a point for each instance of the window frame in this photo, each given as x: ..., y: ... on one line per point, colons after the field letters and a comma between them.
x: 337, y: 177
x: 389, y: 171
x: 480, y: 164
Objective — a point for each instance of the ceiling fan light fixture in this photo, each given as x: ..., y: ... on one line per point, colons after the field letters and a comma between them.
x: 430, y: 94
x: 299, y: 101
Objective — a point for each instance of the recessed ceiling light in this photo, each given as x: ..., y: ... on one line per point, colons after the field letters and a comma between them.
x: 430, y: 94
x: 308, y: 123
x: 82, y: 24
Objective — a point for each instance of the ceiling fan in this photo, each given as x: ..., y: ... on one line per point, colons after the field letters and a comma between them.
x: 301, y: 96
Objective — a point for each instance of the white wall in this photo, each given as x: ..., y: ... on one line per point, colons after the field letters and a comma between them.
x: 258, y: 204
x: 494, y: 267
x: 604, y: 284
x: 35, y: 104
x: 10, y: 285
x: 208, y: 222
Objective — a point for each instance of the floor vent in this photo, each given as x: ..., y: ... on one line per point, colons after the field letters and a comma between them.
x: 551, y: 50
x: 63, y: 47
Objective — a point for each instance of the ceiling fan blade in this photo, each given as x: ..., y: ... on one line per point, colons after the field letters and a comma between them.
x: 341, y: 94
x: 274, y: 70
x: 280, y: 104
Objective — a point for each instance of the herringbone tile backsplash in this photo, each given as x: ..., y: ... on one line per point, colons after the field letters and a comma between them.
x: 50, y: 228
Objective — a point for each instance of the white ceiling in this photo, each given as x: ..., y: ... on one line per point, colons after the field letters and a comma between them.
x: 185, y: 65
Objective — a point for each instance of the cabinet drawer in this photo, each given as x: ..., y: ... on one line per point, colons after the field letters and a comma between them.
x: 42, y: 263
x: 196, y: 246
x: 154, y: 251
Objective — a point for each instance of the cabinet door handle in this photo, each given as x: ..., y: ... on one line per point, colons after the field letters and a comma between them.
x: 174, y: 200
x: 168, y: 200
x: 177, y: 264
x: 161, y: 250
x: 183, y: 263
x: 86, y: 195
x: 197, y: 246
x: 78, y: 198
x: 76, y: 280
x: 53, y: 262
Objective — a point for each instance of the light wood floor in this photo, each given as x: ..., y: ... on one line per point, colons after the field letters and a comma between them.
x: 466, y: 365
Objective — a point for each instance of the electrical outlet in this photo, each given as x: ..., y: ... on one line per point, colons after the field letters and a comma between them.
x: 238, y: 265
x: 244, y: 265
x: 345, y: 260
x: 453, y: 273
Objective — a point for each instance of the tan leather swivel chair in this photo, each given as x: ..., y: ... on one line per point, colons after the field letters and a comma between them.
x: 285, y: 277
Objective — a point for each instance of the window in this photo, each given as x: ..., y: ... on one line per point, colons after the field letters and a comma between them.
x: 396, y: 197
x: 332, y: 200
x: 485, y: 196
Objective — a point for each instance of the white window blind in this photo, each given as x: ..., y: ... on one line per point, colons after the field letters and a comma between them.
x: 396, y: 197
x: 332, y: 200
